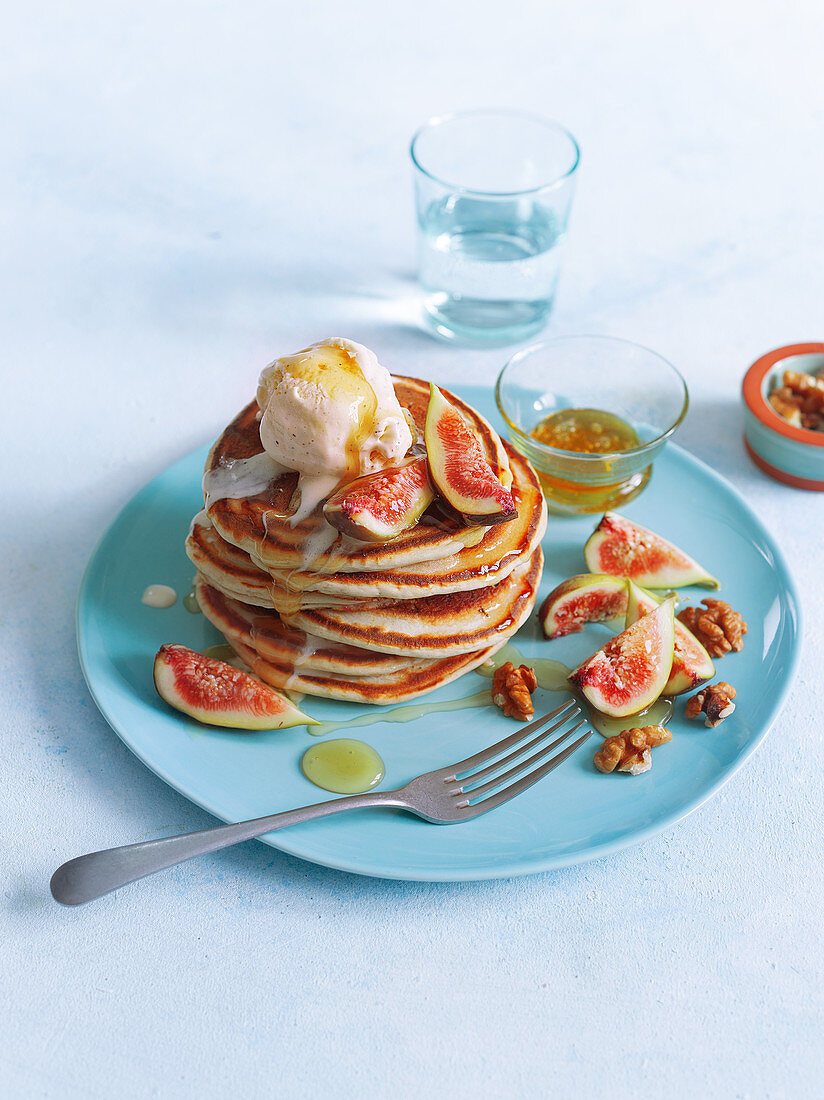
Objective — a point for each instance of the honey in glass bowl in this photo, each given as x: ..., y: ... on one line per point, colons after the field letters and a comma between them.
x: 590, y: 432
x: 591, y: 413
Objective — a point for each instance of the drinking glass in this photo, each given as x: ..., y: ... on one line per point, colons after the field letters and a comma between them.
x: 493, y: 193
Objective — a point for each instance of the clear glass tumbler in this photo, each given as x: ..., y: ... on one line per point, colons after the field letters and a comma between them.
x: 493, y: 193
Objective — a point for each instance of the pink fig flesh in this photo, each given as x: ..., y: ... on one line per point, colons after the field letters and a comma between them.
x: 380, y: 506
x: 626, y: 549
x: 629, y: 673
x: 691, y: 664
x: 214, y: 692
x: 585, y: 598
x: 458, y: 466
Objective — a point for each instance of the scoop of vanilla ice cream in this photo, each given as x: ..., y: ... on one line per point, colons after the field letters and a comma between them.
x: 331, y: 410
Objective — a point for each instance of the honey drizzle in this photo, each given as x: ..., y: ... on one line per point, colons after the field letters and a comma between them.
x: 340, y: 376
x: 408, y: 713
x: 551, y: 676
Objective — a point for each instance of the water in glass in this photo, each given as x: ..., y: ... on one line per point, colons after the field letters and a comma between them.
x: 489, y: 267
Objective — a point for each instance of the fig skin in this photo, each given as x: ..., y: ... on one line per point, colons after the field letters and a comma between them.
x: 217, y: 694
x: 380, y: 506
x: 624, y: 676
x: 585, y: 598
x: 626, y: 549
x: 459, y: 469
x: 691, y: 664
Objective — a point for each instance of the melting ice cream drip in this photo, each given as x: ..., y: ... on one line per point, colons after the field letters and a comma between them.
x: 241, y: 477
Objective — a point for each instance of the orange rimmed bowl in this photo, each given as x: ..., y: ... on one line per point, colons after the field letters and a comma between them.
x: 793, y: 456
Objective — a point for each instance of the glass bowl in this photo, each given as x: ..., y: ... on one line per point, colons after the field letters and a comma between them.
x: 596, y: 374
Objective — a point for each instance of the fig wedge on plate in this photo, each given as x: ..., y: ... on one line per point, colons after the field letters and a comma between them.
x: 218, y: 694
x: 626, y: 549
x: 585, y: 598
x: 380, y: 506
x: 691, y: 664
x: 458, y: 466
x: 629, y: 673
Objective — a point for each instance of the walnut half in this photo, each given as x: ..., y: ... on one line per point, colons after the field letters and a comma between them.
x: 715, y: 700
x: 512, y: 690
x: 630, y: 751
x: 719, y: 629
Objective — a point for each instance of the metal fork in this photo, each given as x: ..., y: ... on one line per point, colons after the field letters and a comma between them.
x: 457, y: 792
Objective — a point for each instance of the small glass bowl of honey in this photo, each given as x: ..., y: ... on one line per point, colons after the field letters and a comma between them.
x: 590, y: 413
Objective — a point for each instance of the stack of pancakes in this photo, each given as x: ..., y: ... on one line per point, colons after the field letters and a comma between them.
x: 311, y: 610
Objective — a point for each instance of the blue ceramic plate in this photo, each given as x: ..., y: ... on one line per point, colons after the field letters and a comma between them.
x: 574, y: 815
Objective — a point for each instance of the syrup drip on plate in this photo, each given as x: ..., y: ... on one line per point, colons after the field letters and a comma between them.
x: 159, y: 595
x: 551, y: 676
x: 343, y: 766
x: 191, y: 604
x: 658, y: 714
x: 409, y: 713
x: 227, y: 654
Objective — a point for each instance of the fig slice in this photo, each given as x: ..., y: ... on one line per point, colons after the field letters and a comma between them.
x: 585, y: 598
x: 626, y: 549
x: 629, y: 673
x: 218, y: 694
x: 379, y: 506
x: 458, y: 466
x: 691, y: 664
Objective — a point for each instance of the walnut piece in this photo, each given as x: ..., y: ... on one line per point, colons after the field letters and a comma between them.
x: 800, y: 400
x: 630, y: 751
x: 715, y: 700
x: 787, y: 405
x: 719, y: 629
x: 808, y: 386
x: 512, y: 690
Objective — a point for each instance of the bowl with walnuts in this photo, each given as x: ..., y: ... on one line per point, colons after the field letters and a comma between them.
x: 784, y: 415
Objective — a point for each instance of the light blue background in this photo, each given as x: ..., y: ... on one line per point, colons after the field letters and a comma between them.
x: 187, y: 190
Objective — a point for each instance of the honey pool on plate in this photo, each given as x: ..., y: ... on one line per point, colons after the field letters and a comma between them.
x: 584, y: 486
x: 344, y: 766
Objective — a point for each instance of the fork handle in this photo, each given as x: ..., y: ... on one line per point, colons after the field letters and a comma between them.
x: 91, y: 876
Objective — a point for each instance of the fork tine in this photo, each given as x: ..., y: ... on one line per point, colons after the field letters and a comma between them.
x: 528, y: 781
x: 519, y: 750
x: 522, y: 765
x: 453, y: 770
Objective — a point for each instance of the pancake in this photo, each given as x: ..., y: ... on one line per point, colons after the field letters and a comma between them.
x: 232, y: 571
x: 261, y: 523
x: 330, y: 672
x: 419, y: 678
x: 276, y: 642
x: 434, y: 626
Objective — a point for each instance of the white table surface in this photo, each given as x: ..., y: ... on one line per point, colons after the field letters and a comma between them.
x: 186, y: 191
